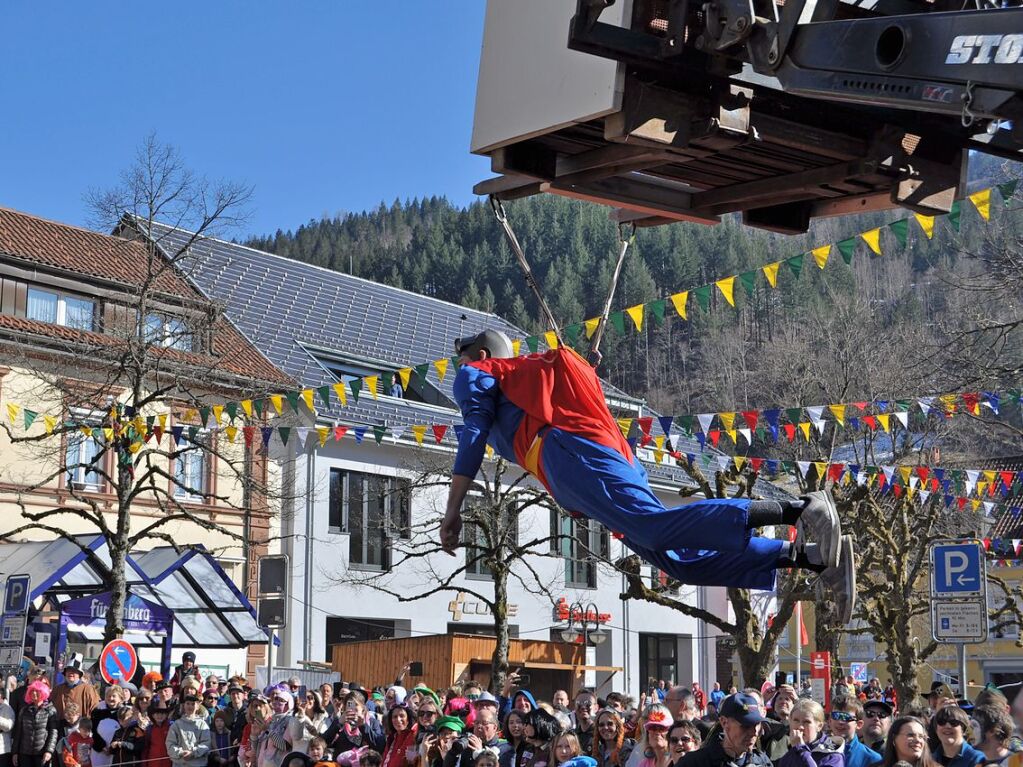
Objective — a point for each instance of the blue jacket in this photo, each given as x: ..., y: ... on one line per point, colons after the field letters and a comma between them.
x: 968, y: 756
x: 858, y: 755
x: 821, y: 753
x: 505, y: 704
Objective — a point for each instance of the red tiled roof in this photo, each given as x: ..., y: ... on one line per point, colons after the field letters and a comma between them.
x: 106, y: 257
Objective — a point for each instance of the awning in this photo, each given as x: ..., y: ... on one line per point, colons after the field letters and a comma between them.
x: 209, y: 610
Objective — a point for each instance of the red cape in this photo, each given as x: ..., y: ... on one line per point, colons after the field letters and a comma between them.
x: 557, y: 389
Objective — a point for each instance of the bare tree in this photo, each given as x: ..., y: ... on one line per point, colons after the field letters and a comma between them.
x: 136, y: 394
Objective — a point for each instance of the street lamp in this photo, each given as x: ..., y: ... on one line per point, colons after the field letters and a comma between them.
x: 589, y: 628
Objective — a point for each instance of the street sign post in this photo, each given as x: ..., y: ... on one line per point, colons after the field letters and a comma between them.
x: 118, y: 661
x: 13, y: 624
x: 959, y: 613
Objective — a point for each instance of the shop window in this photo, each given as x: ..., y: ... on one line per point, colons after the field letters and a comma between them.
x: 658, y: 658
x: 373, y: 510
x: 582, y: 543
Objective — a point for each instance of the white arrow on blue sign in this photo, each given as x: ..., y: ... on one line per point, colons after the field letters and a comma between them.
x: 957, y: 570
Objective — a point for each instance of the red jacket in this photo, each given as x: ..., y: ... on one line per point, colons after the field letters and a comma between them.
x: 154, y: 750
x: 397, y: 744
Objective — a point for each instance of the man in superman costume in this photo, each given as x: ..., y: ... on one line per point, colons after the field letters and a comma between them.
x: 546, y: 412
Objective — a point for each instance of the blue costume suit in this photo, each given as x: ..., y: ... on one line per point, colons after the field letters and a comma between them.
x: 704, y: 543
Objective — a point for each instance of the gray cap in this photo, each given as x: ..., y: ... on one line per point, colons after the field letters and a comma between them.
x: 485, y: 698
x: 495, y: 342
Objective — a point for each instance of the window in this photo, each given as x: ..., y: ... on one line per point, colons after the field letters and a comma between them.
x: 372, y: 509
x: 658, y: 658
x: 996, y: 600
x: 580, y: 541
x: 661, y: 580
x: 83, y: 453
x: 348, y: 369
x: 71, y: 311
x: 474, y: 538
x: 191, y: 474
x: 169, y: 332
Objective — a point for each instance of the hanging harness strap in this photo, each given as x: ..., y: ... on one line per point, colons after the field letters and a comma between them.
x: 502, y: 217
x: 594, y: 357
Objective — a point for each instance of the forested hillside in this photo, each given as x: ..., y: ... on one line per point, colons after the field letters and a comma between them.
x: 881, y: 326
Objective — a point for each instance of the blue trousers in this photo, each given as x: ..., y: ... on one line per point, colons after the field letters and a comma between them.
x: 704, y: 543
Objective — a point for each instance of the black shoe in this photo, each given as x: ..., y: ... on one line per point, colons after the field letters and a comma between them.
x: 819, y: 523
x: 838, y: 584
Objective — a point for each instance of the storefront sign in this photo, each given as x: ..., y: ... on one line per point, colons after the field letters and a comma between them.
x: 460, y: 606
x: 89, y: 613
x: 563, y: 613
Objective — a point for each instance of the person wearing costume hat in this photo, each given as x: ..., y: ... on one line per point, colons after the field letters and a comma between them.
x: 34, y: 738
x: 73, y: 689
x: 547, y: 413
x: 154, y: 745
x: 435, y: 747
x: 186, y: 669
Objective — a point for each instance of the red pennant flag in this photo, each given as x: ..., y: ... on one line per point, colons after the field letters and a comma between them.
x: 970, y: 399
x: 644, y: 424
x: 714, y: 435
x: 835, y: 471
x: 439, y: 430
x: 861, y: 406
x: 618, y: 536
x: 792, y: 534
x: 1007, y: 477
x: 897, y: 489
x: 645, y: 440
x: 987, y: 544
x: 923, y: 472
x: 870, y: 421
x: 751, y: 417
x: 882, y: 480
x: 961, y: 503
x: 757, y: 463
x: 248, y: 433
x: 339, y: 433
x: 158, y: 431
x: 935, y: 484
x: 790, y: 431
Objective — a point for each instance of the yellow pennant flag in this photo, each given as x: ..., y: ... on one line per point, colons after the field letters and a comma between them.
x: 636, y: 315
x: 839, y: 412
x: 659, y: 442
x: 910, y: 491
x: 372, y: 382
x: 739, y: 462
x: 679, y: 302
x: 162, y: 419
x: 218, y: 413
x: 821, y: 467
x: 51, y: 423
x: 490, y: 451
x: 804, y: 427
x: 247, y: 407
x: 551, y: 338
x: 982, y: 202
x: 975, y: 505
x: 733, y: 435
x: 419, y: 431
x: 339, y: 390
x: 442, y: 368
x: 625, y: 424
x: 591, y: 327
x: 926, y: 223
x: 86, y: 430
x: 231, y: 432
x: 885, y: 420
x: 324, y: 433
x: 658, y: 455
x: 516, y: 345
x: 278, y: 402
x: 405, y: 375
x: 108, y: 434
x: 307, y: 397
x: 820, y: 255
x: 949, y: 401
x: 905, y: 472
x: 981, y: 487
x: 727, y: 288
x: 134, y: 447
x: 771, y: 273
x: 12, y: 412
x: 873, y: 239
x: 727, y: 420
x: 989, y: 476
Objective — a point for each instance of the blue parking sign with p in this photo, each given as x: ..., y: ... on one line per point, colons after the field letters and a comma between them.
x: 17, y: 594
x: 958, y: 569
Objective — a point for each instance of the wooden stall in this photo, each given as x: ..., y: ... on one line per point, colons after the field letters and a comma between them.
x: 447, y: 658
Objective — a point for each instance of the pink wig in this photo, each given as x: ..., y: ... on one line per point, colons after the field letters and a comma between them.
x: 39, y: 686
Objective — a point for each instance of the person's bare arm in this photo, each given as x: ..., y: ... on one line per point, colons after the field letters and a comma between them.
x: 451, y: 527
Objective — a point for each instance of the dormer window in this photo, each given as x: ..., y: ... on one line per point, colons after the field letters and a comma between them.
x: 169, y: 332
x: 61, y: 309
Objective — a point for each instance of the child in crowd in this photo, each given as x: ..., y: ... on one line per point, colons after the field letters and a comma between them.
x: 222, y: 752
x: 77, y: 749
x: 154, y: 748
x: 370, y: 759
x: 69, y: 722
x: 809, y: 746
x: 129, y: 739
x: 318, y: 753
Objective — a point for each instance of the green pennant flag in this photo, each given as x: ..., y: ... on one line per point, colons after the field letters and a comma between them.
x: 685, y: 422
x: 1015, y: 395
x: 204, y: 415
x: 532, y: 343
x: 794, y: 414
x: 232, y: 410
x: 422, y: 371
x: 572, y: 333
x: 953, y: 215
x: 749, y: 281
x: 847, y: 248
x: 292, y: 397
x: 657, y: 310
x: 788, y: 466
x: 379, y: 432
x: 285, y: 432
x: 702, y: 294
x: 150, y: 420
x: 796, y: 264
x: 761, y: 433
x: 1007, y: 190
x: 900, y: 229
x: 193, y: 432
x: 617, y: 320
x: 356, y: 386
x: 257, y: 406
x: 324, y: 392
x: 30, y: 417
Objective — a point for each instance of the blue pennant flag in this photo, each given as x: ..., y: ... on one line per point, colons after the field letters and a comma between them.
x: 882, y: 405
x: 176, y: 433
x: 266, y: 432
x: 691, y: 457
x: 772, y: 466
x: 854, y: 423
x: 992, y: 398
x: 360, y: 432
x: 939, y: 474
x: 702, y: 439
x: 949, y: 499
x: 665, y: 421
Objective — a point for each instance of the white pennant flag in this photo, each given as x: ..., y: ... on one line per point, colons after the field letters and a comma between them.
x: 1015, y: 545
x: 989, y: 506
x: 804, y: 466
x: 723, y: 462
x: 861, y: 478
x: 396, y: 433
x: 924, y: 495
x: 705, y: 420
x: 303, y: 433
x: 819, y: 425
x: 989, y: 403
x: 925, y: 404
x: 815, y: 412
x: 913, y: 482
x: 970, y: 486
x: 747, y: 435
x: 889, y: 472
x: 903, y: 419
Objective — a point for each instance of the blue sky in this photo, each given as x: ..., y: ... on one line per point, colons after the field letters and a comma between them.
x: 324, y: 107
